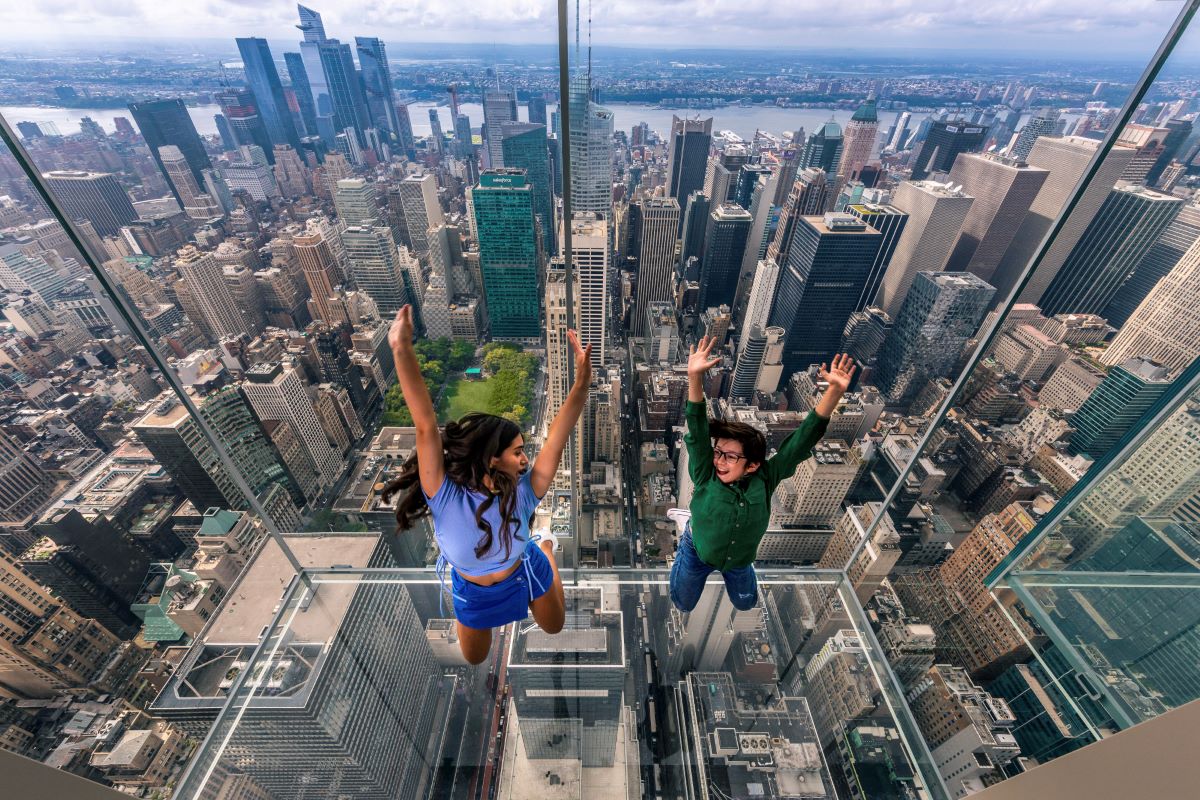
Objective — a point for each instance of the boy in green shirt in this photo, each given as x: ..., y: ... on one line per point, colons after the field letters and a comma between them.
x: 734, y: 481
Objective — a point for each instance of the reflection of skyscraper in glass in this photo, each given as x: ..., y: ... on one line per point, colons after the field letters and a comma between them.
x: 1163, y: 256
x: 1165, y: 326
x: 941, y: 311
x: 26, y: 486
x: 1121, y: 233
x: 568, y: 688
x: 167, y: 122
x: 1120, y: 400
x: 509, y: 255
x: 268, y: 91
x: 352, y: 704
x: 828, y: 263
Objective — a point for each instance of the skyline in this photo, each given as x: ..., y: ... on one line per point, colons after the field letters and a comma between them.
x: 1132, y: 29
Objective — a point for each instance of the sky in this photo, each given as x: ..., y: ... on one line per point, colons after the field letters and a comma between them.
x: 1107, y: 27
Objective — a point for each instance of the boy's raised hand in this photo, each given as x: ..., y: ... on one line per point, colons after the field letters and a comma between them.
x: 698, y: 360
x: 840, y: 371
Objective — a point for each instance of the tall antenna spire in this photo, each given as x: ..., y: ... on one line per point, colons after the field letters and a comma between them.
x: 589, y: 45
x: 576, y: 31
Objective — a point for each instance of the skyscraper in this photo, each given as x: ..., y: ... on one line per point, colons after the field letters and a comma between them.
x: 940, y: 312
x: 589, y: 232
x: 509, y: 255
x: 268, y: 91
x: 317, y: 262
x: 943, y: 144
x: 762, y: 294
x: 356, y: 202
x: 499, y: 107
x: 94, y: 196
x: 196, y: 203
x: 935, y: 216
x: 346, y: 93
x: 171, y: 434
x: 246, y: 125
x: 524, y: 146
x: 422, y: 211
x: 890, y: 222
x: 693, y: 227
x: 388, y: 275
x: 276, y: 391
x: 1123, y: 230
x: 437, y: 139
x: 26, y: 488
x: 1125, y: 394
x: 823, y: 149
x: 687, y: 156
x: 807, y: 197
x: 303, y: 91
x: 1165, y: 327
x: 537, y: 110
x: 377, y: 83
x: 591, y: 149
x: 167, y: 122
x: 1003, y: 192
x: 1042, y: 123
x: 1166, y: 252
x: 724, y: 245
x: 1066, y: 158
x: 859, y: 141
x: 206, y: 281
x: 656, y: 256
x: 828, y: 263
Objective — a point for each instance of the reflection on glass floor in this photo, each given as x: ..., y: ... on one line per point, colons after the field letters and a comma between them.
x: 358, y: 690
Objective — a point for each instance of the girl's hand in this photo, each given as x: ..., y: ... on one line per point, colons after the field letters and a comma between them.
x: 698, y: 360
x: 401, y: 332
x: 583, y: 359
x: 839, y: 373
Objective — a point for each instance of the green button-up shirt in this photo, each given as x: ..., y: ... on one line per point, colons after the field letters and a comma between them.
x: 729, y: 520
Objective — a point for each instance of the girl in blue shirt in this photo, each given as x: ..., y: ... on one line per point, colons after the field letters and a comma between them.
x: 476, y: 481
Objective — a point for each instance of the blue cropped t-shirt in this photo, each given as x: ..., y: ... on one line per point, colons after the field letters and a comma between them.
x: 454, y: 527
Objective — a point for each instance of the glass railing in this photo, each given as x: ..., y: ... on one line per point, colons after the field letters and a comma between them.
x: 351, y: 683
x: 198, y: 275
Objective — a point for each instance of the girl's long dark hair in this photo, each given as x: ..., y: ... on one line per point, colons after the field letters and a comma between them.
x: 468, y: 447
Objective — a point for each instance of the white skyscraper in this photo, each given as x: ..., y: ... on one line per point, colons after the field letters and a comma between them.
x: 205, y: 278
x: 1165, y: 327
x: 589, y: 232
x: 379, y: 268
x: 356, y: 202
x: 276, y: 391
x: 419, y: 201
x: 935, y: 216
x: 762, y: 294
x: 499, y: 107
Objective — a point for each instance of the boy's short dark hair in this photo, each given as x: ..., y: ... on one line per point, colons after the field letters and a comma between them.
x: 754, y: 444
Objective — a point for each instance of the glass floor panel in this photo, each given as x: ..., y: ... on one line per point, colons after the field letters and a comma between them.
x: 349, y: 683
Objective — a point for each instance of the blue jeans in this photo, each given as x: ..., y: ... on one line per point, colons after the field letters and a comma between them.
x: 689, y: 572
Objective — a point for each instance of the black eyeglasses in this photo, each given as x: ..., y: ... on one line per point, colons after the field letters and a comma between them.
x: 732, y: 458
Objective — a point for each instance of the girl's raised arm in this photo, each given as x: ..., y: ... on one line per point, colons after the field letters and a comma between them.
x: 550, y: 455
x: 420, y: 404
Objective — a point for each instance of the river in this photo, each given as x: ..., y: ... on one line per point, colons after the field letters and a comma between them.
x: 741, y: 120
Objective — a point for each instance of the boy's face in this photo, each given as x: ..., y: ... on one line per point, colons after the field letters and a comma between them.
x: 729, y: 460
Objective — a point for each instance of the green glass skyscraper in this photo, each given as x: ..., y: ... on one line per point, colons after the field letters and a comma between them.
x: 509, y: 254
x: 1118, y: 402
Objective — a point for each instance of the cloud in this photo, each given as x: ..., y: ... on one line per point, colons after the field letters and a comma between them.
x: 1076, y: 25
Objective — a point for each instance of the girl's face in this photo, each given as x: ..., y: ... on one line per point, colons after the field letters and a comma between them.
x: 512, y: 459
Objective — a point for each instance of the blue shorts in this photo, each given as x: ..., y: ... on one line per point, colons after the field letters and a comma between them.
x: 484, y: 607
